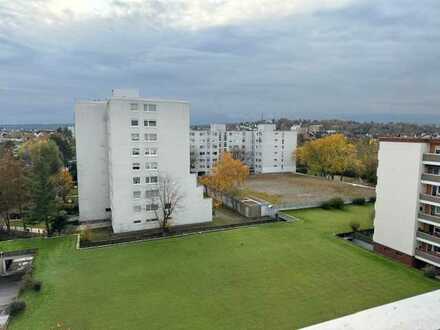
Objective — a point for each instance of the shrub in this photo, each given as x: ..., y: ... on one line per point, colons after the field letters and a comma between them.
x: 36, y: 286
x: 16, y: 307
x: 326, y: 205
x: 336, y: 203
x: 358, y: 201
x: 372, y: 200
x: 86, y: 234
x: 430, y: 272
x: 354, y: 225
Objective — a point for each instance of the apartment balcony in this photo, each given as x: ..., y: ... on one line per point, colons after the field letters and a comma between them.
x: 428, y: 238
x: 429, y: 257
x: 431, y: 159
x: 430, y: 199
x: 432, y: 179
x: 429, y: 219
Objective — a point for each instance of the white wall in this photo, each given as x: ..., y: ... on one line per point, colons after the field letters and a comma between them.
x: 91, y: 155
x: 398, y: 188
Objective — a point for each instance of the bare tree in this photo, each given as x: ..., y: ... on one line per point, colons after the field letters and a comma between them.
x: 169, y: 200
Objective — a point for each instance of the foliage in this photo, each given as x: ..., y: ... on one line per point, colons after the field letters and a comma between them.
x: 45, y: 162
x: 58, y: 222
x: 16, y: 307
x: 86, y: 234
x: 227, y: 176
x: 12, y: 186
x: 66, y: 144
x: 334, y: 203
x: 358, y: 201
x: 170, y: 199
x: 372, y: 200
x: 430, y: 272
x: 367, y: 153
x: 354, y: 225
x: 330, y: 155
x: 63, y: 184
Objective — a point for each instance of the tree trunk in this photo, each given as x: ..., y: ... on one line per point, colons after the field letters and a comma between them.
x: 8, y: 222
x: 46, y: 222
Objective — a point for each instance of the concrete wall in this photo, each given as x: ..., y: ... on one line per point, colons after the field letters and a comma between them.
x: 398, y: 188
x: 105, y: 162
x: 91, y: 155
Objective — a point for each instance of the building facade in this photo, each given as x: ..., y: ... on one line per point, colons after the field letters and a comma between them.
x: 407, y: 220
x: 124, y: 146
x: 264, y: 149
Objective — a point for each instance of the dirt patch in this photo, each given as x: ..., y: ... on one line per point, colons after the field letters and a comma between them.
x: 301, y: 189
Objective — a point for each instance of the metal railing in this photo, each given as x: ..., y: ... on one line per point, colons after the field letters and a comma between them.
x: 428, y: 217
x: 428, y: 256
x: 428, y: 237
x: 429, y: 198
x: 431, y: 158
x: 431, y: 177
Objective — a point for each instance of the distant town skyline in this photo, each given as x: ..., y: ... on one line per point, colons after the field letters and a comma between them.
x: 361, y: 60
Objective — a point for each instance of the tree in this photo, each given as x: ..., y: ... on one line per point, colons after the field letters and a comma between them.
x: 66, y: 144
x: 330, y: 155
x: 227, y: 175
x: 367, y: 153
x: 12, y: 186
x: 45, y: 162
x: 170, y: 199
x: 63, y: 184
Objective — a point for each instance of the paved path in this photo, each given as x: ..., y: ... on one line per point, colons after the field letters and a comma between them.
x: 8, y: 291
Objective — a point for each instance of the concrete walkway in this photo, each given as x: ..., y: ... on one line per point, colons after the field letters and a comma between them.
x: 8, y: 292
x: 420, y: 312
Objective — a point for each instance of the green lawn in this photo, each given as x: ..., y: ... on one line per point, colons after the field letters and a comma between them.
x: 277, y: 276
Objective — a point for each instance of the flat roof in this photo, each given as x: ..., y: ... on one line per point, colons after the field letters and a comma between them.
x: 416, y: 313
x: 409, y: 139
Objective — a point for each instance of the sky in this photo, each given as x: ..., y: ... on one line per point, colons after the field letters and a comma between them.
x: 233, y: 60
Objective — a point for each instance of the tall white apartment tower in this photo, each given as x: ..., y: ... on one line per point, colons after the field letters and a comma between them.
x: 124, y: 145
x: 264, y: 149
x: 407, y: 221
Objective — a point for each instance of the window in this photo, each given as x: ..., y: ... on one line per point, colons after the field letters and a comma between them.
x: 150, y: 137
x: 151, y: 151
x: 151, y: 207
x: 136, y: 166
x: 135, y: 137
x: 137, y: 194
x: 152, y: 219
x: 137, y: 221
x: 150, y: 107
x: 133, y: 106
x: 137, y: 208
x: 150, y: 123
x: 135, y: 151
x: 151, y: 193
x: 134, y: 123
x: 151, y: 166
x: 153, y: 179
x: 136, y: 180
x: 437, y: 149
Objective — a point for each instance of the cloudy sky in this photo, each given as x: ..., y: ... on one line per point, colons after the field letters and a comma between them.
x: 232, y: 59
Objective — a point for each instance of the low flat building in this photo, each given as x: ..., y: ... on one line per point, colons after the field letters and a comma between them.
x: 124, y: 145
x: 407, y: 220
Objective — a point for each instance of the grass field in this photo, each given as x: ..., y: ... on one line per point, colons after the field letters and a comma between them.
x: 277, y: 276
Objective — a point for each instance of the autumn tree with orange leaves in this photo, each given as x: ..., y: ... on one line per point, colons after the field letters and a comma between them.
x: 227, y: 175
x: 329, y: 156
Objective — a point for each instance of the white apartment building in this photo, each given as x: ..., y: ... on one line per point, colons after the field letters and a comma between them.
x: 264, y: 149
x: 124, y: 144
x: 407, y: 221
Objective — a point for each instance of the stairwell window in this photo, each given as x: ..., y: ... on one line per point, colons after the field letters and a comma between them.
x: 137, y: 194
x: 135, y: 137
x: 136, y: 180
x: 150, y: 137
x: 134, y: 123
x: 133, y: 106
x: 135, y: 151
x: 136, y: 166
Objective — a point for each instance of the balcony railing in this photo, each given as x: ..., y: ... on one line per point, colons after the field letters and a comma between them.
x: 428, y: 237
x: 428, y: 256
x: 431, y: 177
x: 429, y: 198
x: 431, y: 158
x: 430, y: 218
